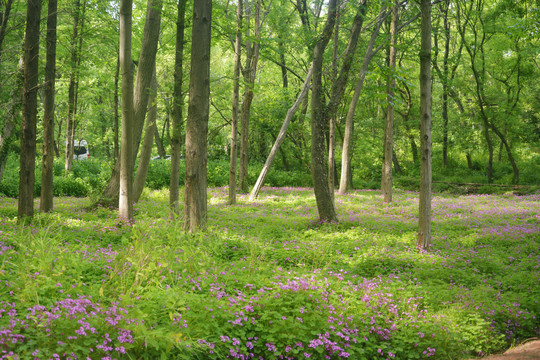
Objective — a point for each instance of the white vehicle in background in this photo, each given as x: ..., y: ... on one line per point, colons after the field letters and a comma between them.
x: 80, y: 150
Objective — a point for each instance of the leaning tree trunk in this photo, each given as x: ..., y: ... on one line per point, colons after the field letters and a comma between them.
x: 29, y: 106
x: 325, y: 205
x: 235, y: 100
x: 195, y: 203
x: 46, y: 201
x: 348, y: 136
x: 424, y: 218
x: 177, y: 107
x: 125, y: 202
x: 146, y: 149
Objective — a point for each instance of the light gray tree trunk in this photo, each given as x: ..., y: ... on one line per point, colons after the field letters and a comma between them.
x: 195, y: 203
x: 125, y: 203
x: 235, y: 100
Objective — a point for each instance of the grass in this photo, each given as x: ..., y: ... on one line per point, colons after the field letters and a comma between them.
x: 266, y: 281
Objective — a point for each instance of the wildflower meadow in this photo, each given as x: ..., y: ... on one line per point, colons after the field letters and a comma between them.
x: 266, y: 281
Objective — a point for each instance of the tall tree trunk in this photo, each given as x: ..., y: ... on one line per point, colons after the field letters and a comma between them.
x: 406, y: 115
x: 424, y: 218
x: 73, y: 85
x: 250, y: 71
x: 147, y: 61
x: 146, y: 149
x: 332, y: 129
x: 195, y: 205
x: 445, y: 84
x: 116, y: 151
x: 281, y: 136
x: 325, y: 205
x: 125, y: 203
x: 29, y: 106
x: 46, y: 201
x: 389, y: 128
x: 4, y: 17
x: 348, y: 136
x: 235, y: 100
x: 159, y: 144
x: 177, y: 106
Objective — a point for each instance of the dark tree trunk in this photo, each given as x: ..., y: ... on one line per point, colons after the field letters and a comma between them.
x: 178, y: 102
x: 424, y: 218
x: 46, y: 201
x: 325, y: 205
x: 195, y: 205
x: 29, y: 106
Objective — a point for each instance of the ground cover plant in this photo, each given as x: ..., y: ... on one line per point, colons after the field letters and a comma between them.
x: 266, y: 281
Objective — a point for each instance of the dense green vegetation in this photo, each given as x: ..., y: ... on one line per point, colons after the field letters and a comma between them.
x: 267, y: 280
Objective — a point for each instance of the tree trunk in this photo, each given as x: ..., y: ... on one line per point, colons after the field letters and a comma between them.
x: 73, y: 85
x: 235, y: 99
x: 29, y: 106
x: 445, y: 85
x: 4, y: 17
x: 389, y: 128
x: 46, y: 201
x: 281, y: 136
x: 250, y: 71
x: 116, y: 151
x: 346, y: 154
x: 147, y: 61
x: 125, y: 202
x: 325, y: 205
x: 195, y: 204
x: 159, y: 144
x: 146, y: 149
x: 332, y: 128
x: 178, y: 102
x: 424, y: 218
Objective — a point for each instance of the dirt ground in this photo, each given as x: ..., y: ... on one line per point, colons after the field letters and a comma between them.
x: 527, y: 351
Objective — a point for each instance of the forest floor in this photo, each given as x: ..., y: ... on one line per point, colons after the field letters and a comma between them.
x: 527, y: 351
x: 269, y: 281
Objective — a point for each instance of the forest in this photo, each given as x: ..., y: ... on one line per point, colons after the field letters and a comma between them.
x: 272, y: 179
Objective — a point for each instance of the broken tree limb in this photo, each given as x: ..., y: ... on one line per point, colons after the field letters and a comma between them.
x: 281, y: 136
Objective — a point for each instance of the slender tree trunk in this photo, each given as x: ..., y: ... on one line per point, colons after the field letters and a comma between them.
x: 116, y: 151
x: 147, y: 61
x: 29, y: 105
x: 445, y: 85
x: 346, y: 154
x: 177, y: 106
x: 332, y: 129
x: 389, y: 129
x: 4, y: 17
x: 72, y: 95
x: 159, y: 144
x: 235, y: 99
x: 406, y: 116
x: 125, y: 203
x: 46, y: 201
x: 325, y: 205
x: 146, y: 149
x: 424, y: 219
x: 281, y: 136
x: 252, y: 59
x: 195, y: 204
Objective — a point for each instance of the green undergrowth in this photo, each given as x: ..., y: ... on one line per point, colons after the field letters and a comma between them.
x: 265, y: 280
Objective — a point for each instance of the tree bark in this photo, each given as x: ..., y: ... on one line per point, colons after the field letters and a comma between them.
x: 46, y: 201
x: 349, y: 120
x: 235, y: 100
x: 4, y: 17
x: 250, y: 71
x: 116, y: 151
x: 325, y: 205
x: 146, y: 149
x: 389, y: 128
x: 125, y: 202
x: 177, y: 106
x: 281, y: 136
x: 424, y: 219
x: 29, y: 106
x: 195, y: 203
x: 73, y: 86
